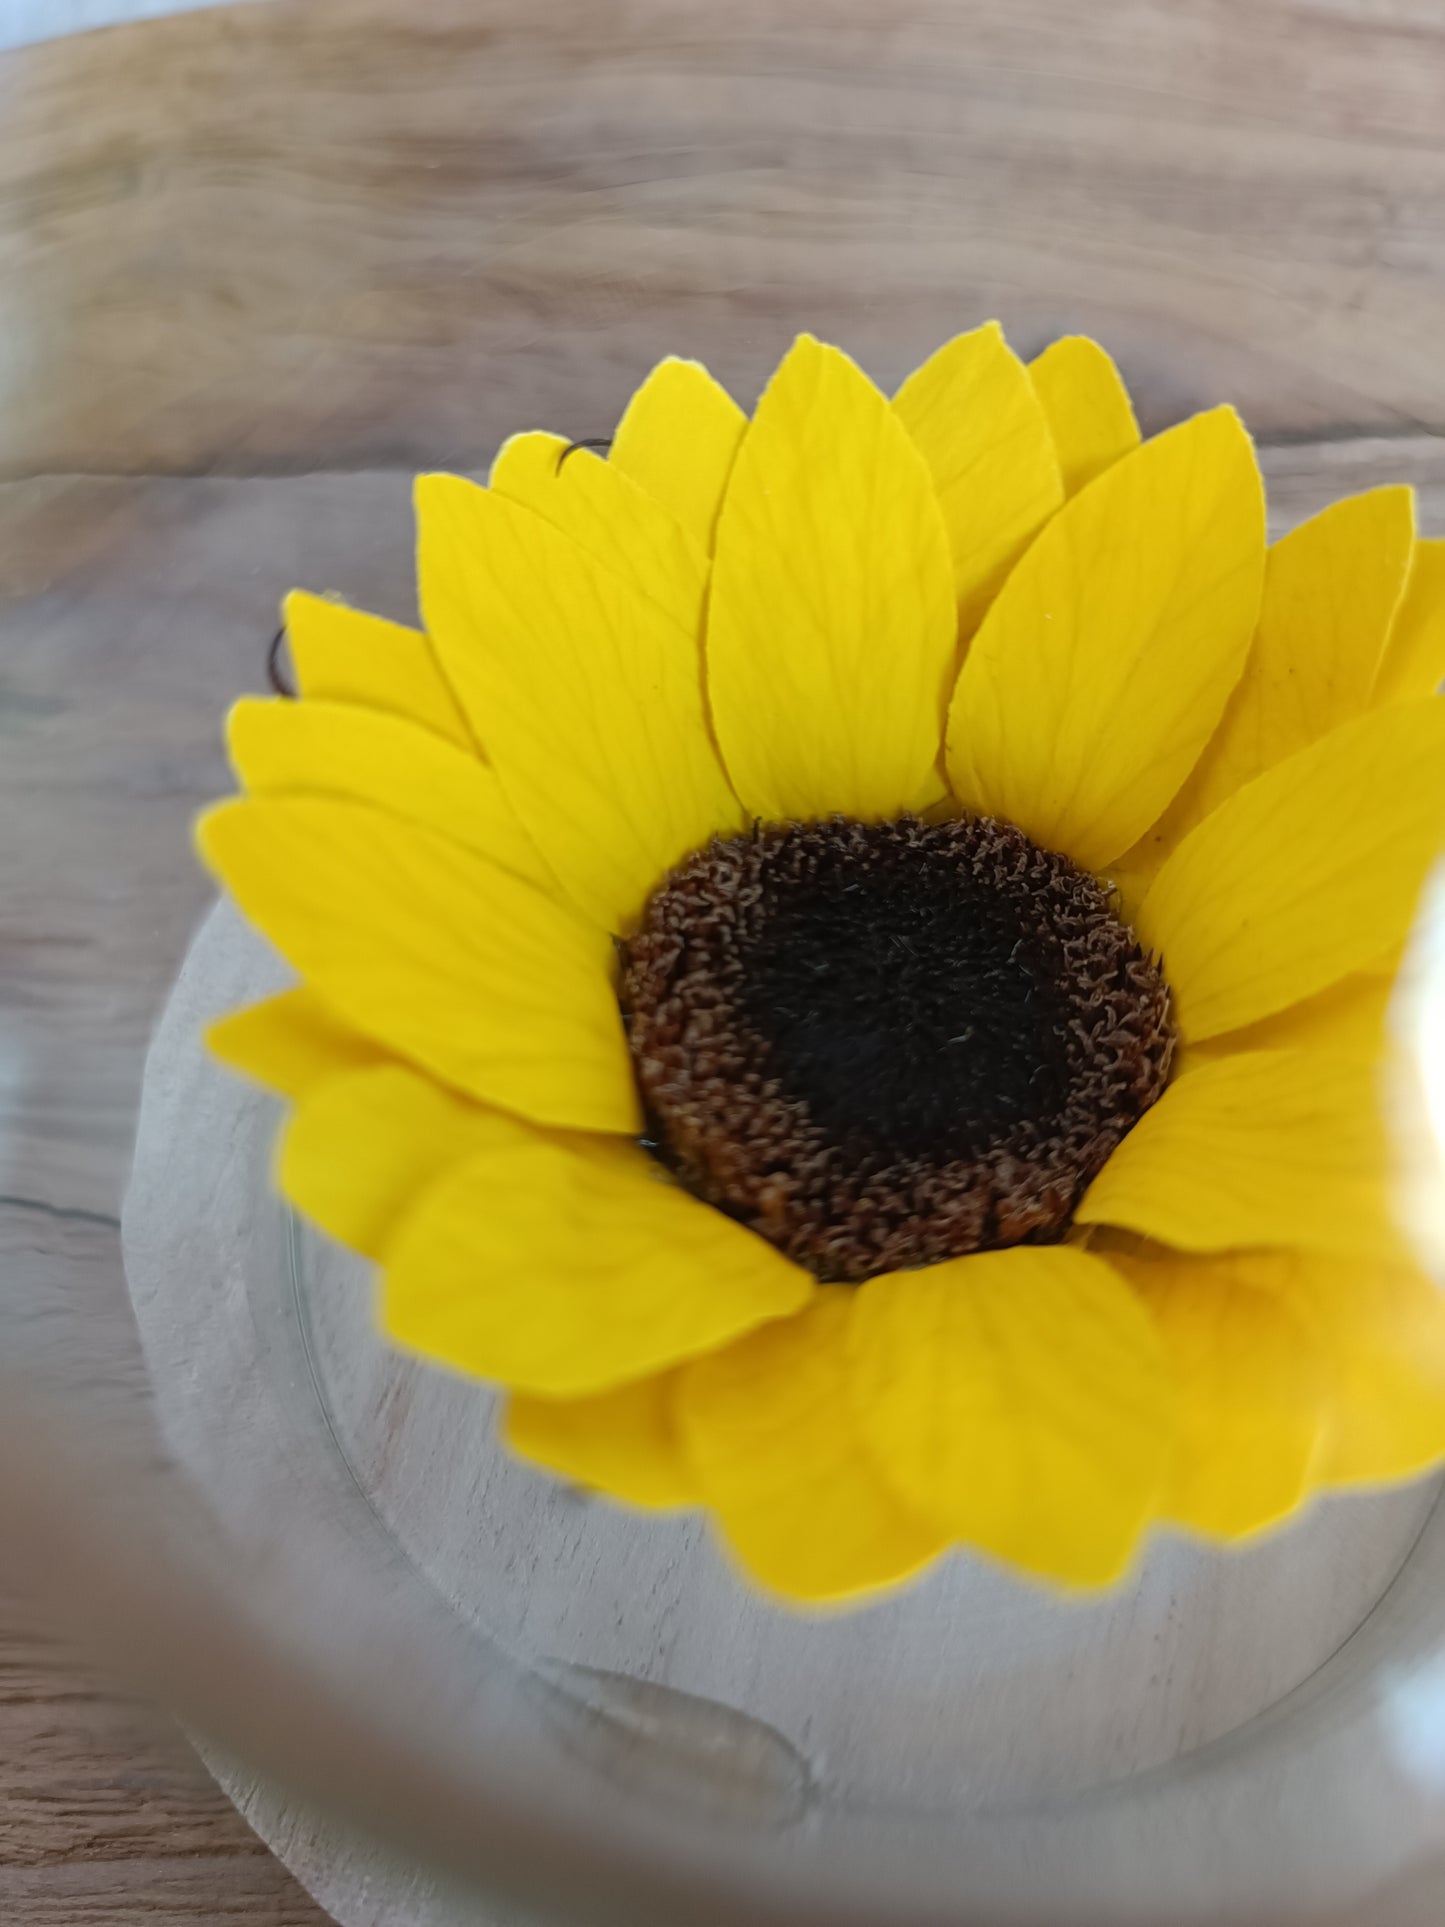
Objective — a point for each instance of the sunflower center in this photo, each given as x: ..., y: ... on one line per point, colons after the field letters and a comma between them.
x: 882, y: 1045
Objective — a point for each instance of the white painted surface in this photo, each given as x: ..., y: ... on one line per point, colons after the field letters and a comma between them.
x: 25, y: 21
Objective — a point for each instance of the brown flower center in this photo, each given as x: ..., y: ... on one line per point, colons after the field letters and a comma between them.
x: 882, y: 1045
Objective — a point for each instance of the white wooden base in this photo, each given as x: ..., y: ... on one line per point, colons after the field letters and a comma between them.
x: 1260, y: 1728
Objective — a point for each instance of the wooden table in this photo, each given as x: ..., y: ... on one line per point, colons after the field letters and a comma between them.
x: 243, y: 246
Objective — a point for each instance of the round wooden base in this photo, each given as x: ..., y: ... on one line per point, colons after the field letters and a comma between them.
x: 1251, y: 1728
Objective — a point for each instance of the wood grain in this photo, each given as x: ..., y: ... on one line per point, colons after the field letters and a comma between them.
x: 106, y: 1815
x: 94, y: 1788
x: 113, y: 678
x: 362, y: 231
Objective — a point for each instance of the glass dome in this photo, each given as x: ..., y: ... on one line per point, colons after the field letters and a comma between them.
x: 267, y: 263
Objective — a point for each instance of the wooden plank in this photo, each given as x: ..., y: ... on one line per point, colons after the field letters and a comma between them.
x: 163, y: 1892
x: 127, y: 621
x: 363, y: 232
x: 130, y: 615
x: 99, y: 1788
x: 105, y: 1813
x: 106, y: 1816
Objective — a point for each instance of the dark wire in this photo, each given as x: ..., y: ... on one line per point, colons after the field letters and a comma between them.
x: 591, y: 441
x: 273, y: 667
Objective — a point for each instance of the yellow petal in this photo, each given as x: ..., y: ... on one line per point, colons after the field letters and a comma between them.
x: 360, y: 1148
x: 831, y: 632
x: 336, y: 749
x: 1310, y: 872
x: 1414, y: 662
x: 1102, y: 668
x: 1016, y: 1398
x: 624, y: 1442
x: 1264, y: 1148
x: 452, y: 961
x: 611, y: 519
x: 289, y: 1042
x: 343, y: 655
x: 1331, y: 589
x: 567, y: 1266
x: 591, y: 690
x: 1383, y: 1331
x: 677, y: 439
x: 1087, y: 408
x: 975, y: 416
x: 769, y: 1430
x: 1350, y: 1018
x: 1249, y: 1389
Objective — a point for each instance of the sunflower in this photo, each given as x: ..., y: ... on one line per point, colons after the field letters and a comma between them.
x: 847, y: 965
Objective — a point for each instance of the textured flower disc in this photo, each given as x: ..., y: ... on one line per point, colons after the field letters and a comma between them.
x: 882, y: 1045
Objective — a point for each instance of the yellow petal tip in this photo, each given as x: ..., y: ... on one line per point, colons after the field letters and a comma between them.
x: 296, y: 601
x: 436, y: 489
